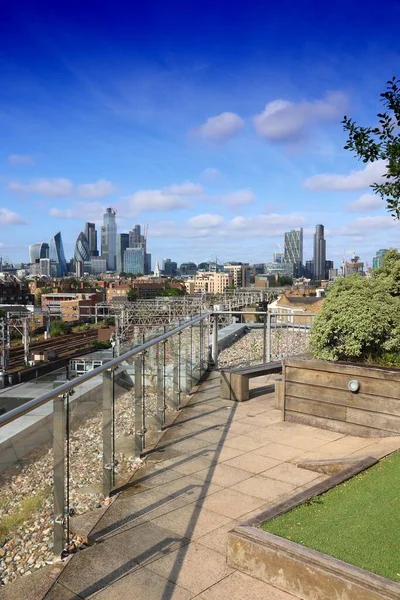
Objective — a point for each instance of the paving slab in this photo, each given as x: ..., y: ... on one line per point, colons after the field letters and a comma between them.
x: 291, y: 474
x: 264, y: 488
x: 104, y: 563
x: 143, y: 584
x: 252, y: 462
x: 238, y: 586
x: 223, y: 475
x: 192, y: 521
x: 279, y: 451
x: 33, y: 586
x: 194, y: 568
x: 164, y: 536
x: 231, y: 503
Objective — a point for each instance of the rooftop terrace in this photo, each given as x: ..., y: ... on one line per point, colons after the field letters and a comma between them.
x: 164, y: 536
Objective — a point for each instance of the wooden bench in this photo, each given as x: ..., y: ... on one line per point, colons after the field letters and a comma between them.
x: 235, y: 382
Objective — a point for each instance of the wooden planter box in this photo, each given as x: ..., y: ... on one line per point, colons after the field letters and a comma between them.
x: 316, y: 393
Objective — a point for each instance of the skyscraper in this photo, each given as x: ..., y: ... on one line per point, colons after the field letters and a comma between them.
x: 91, y: 236
x: 378, y: 259
x: 137, y: 240
x: 122, y: 245
x: 82, y: 252
x: 56, y: 254
x: 319, y: 257
x: 293, y: 252
x: 38, y: 251
x: 134, y: 260
x: 109, y: 239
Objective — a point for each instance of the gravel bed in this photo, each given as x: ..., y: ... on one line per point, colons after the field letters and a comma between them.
x: 29, y: 546
x: 248, y: 350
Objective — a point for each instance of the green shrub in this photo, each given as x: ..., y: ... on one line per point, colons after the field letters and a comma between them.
x: 360, y: 321
x: 102, y: 345
x: 59, y: 328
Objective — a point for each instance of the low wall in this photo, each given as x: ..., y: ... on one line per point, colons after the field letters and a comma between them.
x: 301, y: 571
x: 230, y: 334
x: 305, y: 573
x: 316, y: 393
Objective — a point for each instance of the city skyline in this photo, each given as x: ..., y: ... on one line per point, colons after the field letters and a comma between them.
x: 219, y: 151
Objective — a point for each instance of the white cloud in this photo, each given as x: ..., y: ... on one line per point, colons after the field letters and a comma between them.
x: 365, y: 203
x: 205, y: 221
x: 92, y: 211
x: 46, y: 187
x: 239, y: 198
x: 99, y: 189
x: 8, y: 217
x: 284, y: 121
x: 145, y: 200
x: 220, y: 128
x: 187, y: 188
x: 210, y: 175
x: 355, y: 180
x: 367, y: 225
x: 19, y: 159
x: 63, y: 188
x: 265, y: 225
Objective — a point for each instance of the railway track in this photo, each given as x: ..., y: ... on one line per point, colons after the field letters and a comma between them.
x: 62, y: 346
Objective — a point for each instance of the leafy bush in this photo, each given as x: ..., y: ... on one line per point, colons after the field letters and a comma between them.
x: 360, y: 321
x: 102, y: 345
x: 59, y: 328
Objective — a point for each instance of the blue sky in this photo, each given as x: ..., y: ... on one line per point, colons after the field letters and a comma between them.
x: 218, y: 127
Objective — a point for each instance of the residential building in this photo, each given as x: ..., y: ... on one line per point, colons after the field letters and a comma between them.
x: 209, y: 282
x: 293, y: 307
x: 277, y: 257
x: 319, y: 257
x: 70, y: 306
x: 13, y: 291
x: 56, y: 254
x: 240, y: 274
x: 134, y: 260
x: 109, y: 239
x: 293, y: 251
x: 91, y: 236
x: 378, y: 259
x: 122, y: 245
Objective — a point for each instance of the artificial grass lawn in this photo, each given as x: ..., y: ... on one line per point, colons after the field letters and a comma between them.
x: 357, y: 522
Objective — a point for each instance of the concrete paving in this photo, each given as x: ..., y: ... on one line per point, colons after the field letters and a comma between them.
x: 220, y: 463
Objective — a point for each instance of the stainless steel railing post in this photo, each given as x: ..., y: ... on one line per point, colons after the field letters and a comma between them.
x: 108, y: 427
x: 139, y: 422
x: 160, y: 417
x: 214, y: 349
x: 59, y: 485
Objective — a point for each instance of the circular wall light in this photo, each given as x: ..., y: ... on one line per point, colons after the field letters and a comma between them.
x: 353, y: 385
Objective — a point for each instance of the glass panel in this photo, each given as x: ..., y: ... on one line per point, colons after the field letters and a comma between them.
x: 85, y: 447
x: 26, y: 479
x: 124, y: 427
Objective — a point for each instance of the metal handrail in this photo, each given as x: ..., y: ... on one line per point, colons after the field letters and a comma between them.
x: 10, y: 416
